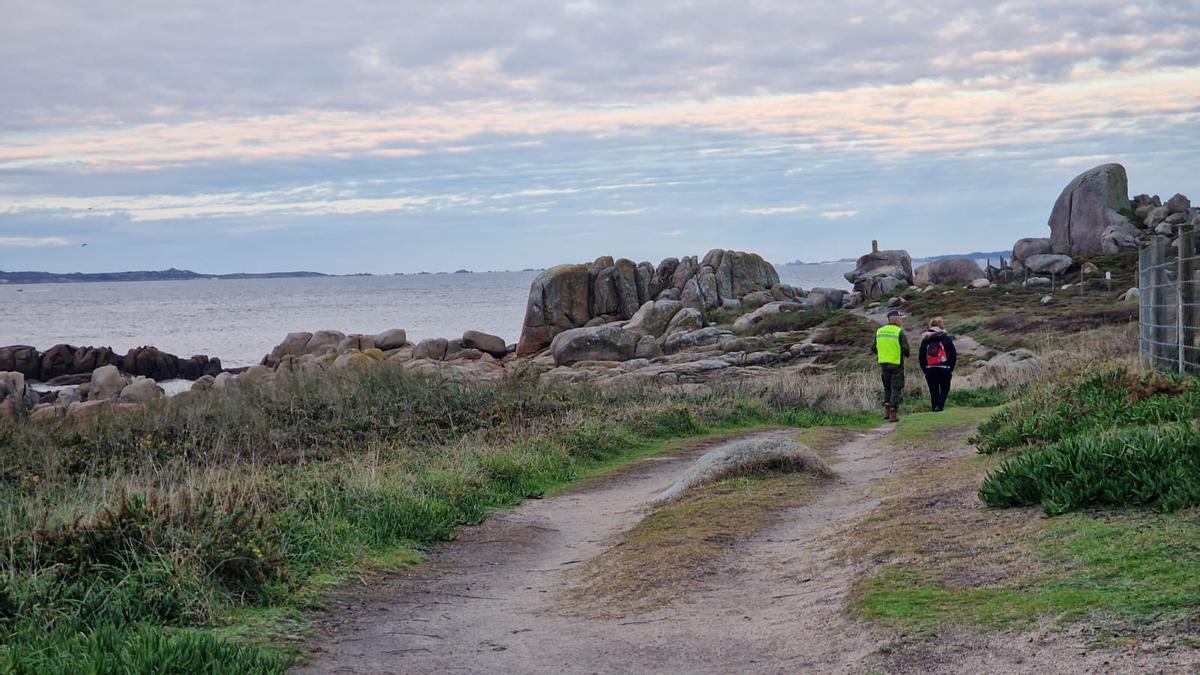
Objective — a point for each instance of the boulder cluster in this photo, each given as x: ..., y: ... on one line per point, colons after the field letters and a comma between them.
x: 65, y: 364
x: 590, y: 313
x: 86, y: 377
x: 606, y: 291
x: 1095, y: 215
x: 475, y: 355
x: 880, y: 273
x: 106, y: 387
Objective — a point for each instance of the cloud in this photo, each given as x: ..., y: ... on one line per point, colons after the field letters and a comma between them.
x: 838, y: 215
x: 776, y: 210
x: 33, y: 242
x: 616, y: 212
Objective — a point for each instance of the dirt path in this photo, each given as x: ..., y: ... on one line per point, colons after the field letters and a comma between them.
x: 490, y: 601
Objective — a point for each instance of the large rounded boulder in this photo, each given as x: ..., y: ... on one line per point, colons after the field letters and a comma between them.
x: 1027, y: 247
x: 1088, y: 206
x: 595, y: 343
x: 558, y: 301
x: 948, y: 271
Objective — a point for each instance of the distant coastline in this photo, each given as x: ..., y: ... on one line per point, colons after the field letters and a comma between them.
x: 142, y: 275
x: 172, y: 274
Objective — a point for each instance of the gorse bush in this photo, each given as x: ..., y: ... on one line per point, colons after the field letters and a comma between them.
x: 1112, y: 439
x: 125, y: 539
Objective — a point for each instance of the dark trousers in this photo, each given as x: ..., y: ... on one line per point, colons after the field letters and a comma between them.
x: 893, y: 385
x: 939, y: 386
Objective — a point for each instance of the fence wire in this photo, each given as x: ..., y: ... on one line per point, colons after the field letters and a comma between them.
x: 1169, y: 303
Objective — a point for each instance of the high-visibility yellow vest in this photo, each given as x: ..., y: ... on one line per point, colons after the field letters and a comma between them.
x: 887, y: 343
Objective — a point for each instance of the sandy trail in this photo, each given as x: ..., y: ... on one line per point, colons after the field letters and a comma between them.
x: 491, y: 601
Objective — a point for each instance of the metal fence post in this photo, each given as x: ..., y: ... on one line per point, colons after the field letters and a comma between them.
x: 1144, y: 305
x: 1160, y: 301
x: 1186, y: 283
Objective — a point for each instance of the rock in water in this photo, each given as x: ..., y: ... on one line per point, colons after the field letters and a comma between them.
x: 1088, y: 206
x: 948, y: 271
x: 558, y: 301
x: 746, y: 456
x: 597, y: 343
x: 22, y: 359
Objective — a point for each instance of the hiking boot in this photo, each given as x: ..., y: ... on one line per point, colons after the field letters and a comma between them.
x: 887, y: 413
x: 893, y: 415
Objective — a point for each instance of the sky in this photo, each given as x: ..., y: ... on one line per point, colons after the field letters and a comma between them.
x: 408, y: 136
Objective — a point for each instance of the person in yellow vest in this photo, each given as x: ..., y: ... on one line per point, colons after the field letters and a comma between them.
x: 892, y: 347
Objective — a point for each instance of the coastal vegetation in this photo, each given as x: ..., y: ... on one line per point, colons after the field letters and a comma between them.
x: 1111, y: 438
x: 143, y: 540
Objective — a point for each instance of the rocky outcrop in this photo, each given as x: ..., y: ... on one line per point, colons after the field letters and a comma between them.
x: 21, y: 359
x: 1165, y: 219
x: 559, y: 299
x: 879, y: 273
x: 62, y: 361
x: 1089, y: 206
x: 948, y: 271
x: 607, y: 291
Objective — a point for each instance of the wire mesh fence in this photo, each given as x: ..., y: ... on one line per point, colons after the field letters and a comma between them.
x: 1169, y: 303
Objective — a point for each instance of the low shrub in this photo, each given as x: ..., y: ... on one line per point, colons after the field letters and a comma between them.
x: 1105, y: 399
x: 1155, y: 466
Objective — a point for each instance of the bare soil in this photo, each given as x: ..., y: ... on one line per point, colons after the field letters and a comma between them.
x: 497, y: 600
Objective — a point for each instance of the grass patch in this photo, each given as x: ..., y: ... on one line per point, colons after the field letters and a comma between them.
x: 671, y: 551
x: 1133, y: 569
x: 929, y: 428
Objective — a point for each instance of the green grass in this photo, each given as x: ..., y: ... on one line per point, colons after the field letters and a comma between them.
x: 1137, y: 567
x: 927, y: 427
x: 234, y: 510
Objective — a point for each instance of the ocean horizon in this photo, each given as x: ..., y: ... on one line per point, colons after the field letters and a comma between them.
x: 240, y: 320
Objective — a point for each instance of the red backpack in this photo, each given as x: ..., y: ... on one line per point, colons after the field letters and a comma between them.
x: 935, y: 354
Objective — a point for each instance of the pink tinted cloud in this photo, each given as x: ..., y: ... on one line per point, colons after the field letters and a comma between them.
x: 881, y: 120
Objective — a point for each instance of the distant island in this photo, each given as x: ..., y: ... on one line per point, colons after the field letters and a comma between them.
x: 144, y: 275
x: 976, y: 255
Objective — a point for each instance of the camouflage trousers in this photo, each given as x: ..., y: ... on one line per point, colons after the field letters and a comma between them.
x: 893, y: 384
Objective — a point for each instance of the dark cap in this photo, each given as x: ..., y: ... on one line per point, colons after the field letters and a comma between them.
x: 895, y: 312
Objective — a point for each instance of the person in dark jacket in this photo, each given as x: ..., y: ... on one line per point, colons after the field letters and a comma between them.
x: 938, y: 358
